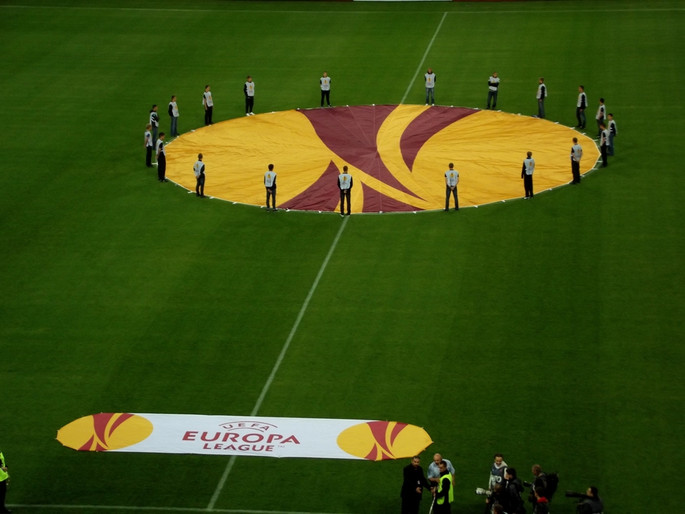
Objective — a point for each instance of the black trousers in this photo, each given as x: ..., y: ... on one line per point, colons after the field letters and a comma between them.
x: 327, y: 96
x: 411, y: 505
x: 449, y: 191
x: 200, y: 186
x: 148, y: 156
x: 528, y: 185
x: 249, y: 104
x: 161, y: 167
x: 580, y: 116
x: 575, y: 170
x: 3, y: 494
x: 271, y: 195
x: 492, y: 95
x: 208, y: 115
x: 603, y: 149
x: 345, y: 194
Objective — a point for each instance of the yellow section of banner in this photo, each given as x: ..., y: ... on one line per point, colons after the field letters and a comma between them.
x: 486, y: 147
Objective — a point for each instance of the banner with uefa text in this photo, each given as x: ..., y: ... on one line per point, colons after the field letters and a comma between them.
x: 244, y: 435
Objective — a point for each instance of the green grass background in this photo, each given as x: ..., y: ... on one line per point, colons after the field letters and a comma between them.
x: 546, y: 330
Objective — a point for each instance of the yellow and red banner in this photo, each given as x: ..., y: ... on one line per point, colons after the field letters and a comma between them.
x: 244, y: 435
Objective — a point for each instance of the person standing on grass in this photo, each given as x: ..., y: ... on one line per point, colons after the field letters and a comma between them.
x: 413, y: 484
x: 493, y: 87
x: 541, y: 95
x: 601, y: 114
x: 208, y: 103
x: 270, y: 184
x: 325, y: 83
x: 527, y: 175
x: 497, y: 471
x: 345, y: 183
x: 444, y: 494
x: 161, y: 159
x: 248, y: 89
x: 433, y: 472
x: 451, y: 182
x: 604, y: 144
x: 576, y: 155
x: 613, y: 131
x: 199, y: 170
x: 581, y: 105
x: 173, y: 114
x: 149, y: 143
x: 430, y: 79
x: 154, y: 122
x: 4, y: 482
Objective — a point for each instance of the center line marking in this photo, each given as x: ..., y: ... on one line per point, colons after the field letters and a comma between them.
x: 281, y: 356
x: 423, y: 59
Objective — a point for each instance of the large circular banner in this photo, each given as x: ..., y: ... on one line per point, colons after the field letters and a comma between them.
x: 397, y: 156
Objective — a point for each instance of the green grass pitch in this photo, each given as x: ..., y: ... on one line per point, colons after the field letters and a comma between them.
x: 545, y: 330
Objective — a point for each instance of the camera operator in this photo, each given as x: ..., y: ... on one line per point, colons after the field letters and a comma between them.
x: 513, y: 503
x: 588, y: 503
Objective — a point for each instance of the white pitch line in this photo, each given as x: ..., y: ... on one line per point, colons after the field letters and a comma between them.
x: 309, y: 11
x: 423, y: 59
x: 281, y: 356
x: 158, y: 509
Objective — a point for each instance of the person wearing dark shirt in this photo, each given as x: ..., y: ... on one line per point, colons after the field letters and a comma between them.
x: 413, y: 483
x: 592, y: 504
x: 444, y: 493
x: 513, y: 503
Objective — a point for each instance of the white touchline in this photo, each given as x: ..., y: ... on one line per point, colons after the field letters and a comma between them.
x: 279, y: 360
x: 155, y: 509
x: 423, y: 59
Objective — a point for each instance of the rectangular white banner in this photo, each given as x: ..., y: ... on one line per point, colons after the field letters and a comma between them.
x: 245, y: 435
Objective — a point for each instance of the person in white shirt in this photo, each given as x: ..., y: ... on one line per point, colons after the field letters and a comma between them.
x: 576, y: 155
x: 601, y: 114
x: 433, y: 472
x: 604, y: 144
x: 613, y: 132
x: 430, y: 79
x: 148, y: 146
x: 493, y: 87
x: 451, y: 181
x: 325, y: 83
x: 541, y: 95
x: 345, y: 183
x: 527, y: 175
x: 154, y: 122
x: 199, y: 170
x: 208, y: 103
x: 161, y: 158
x: 581, y: 105
x: 173, y: 114
x: 497, y: 471
x: 270, y: 184
x: 248, y: 89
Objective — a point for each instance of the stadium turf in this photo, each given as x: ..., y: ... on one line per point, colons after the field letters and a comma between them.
x: 545, y: 330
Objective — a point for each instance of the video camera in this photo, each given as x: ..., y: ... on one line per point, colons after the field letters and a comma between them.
x: 582, y: 496
x: 581, y: 507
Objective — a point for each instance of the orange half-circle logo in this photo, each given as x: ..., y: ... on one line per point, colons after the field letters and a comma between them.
x: 105, y: 432
x: 383, y: 440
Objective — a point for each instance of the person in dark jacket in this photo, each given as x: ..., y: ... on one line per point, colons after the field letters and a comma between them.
x: 413, y: 483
